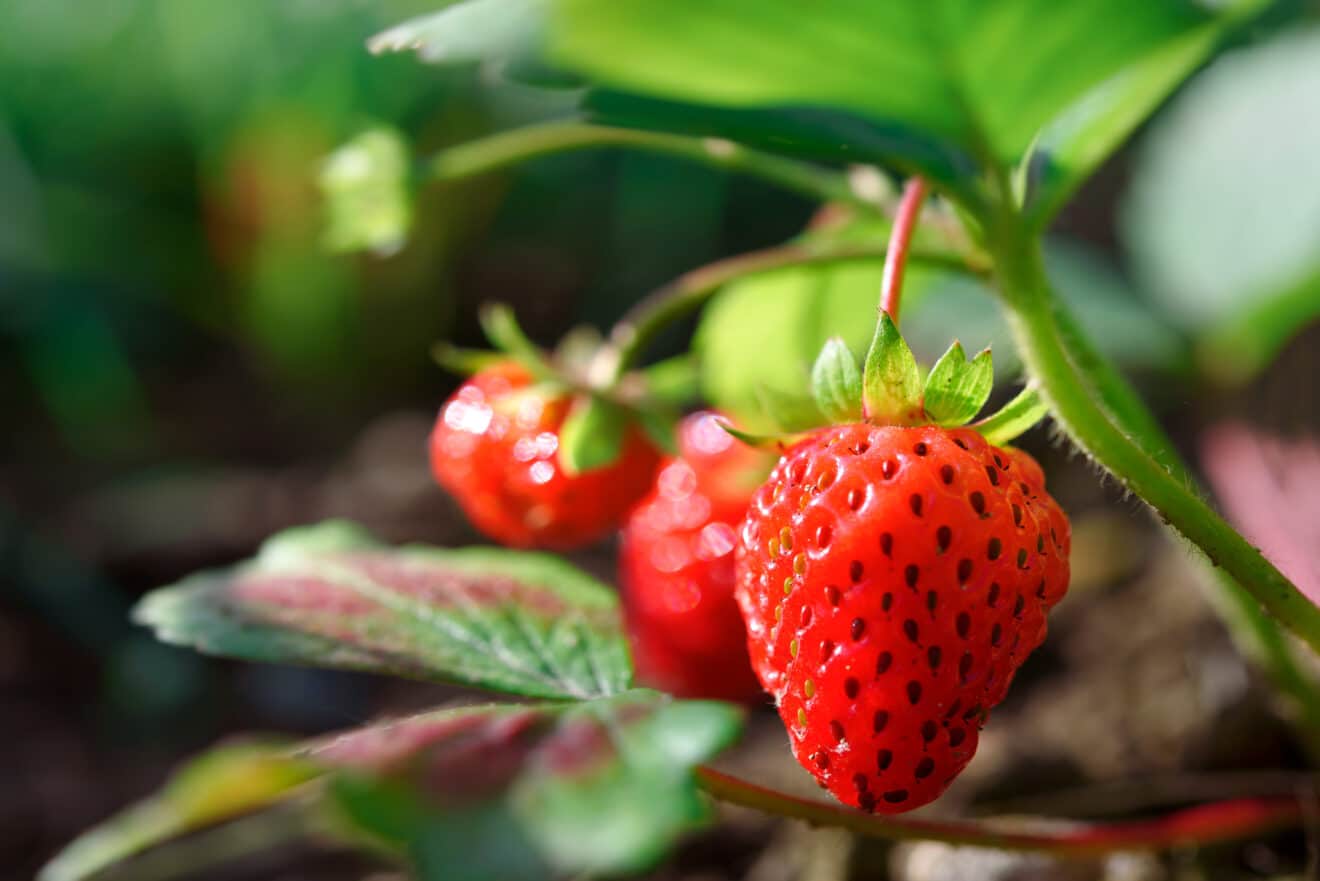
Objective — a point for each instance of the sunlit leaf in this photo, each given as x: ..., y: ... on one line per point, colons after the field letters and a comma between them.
x: 985, y: 74
x: 330, y: 596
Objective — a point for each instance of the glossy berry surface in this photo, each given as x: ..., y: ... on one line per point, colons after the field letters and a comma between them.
x: 495, y: 448
x: 677, y: 572
x: 893, y: 580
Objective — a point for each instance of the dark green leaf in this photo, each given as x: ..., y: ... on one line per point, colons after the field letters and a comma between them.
x: 598, y: 787
x: 592, y: 434
x: 367, y: 196
x: 956, y: 389
x: 836, y: 383
x: 985, y: 74
x: 1217, y: 222
x: 330, y: 596
x: 807, y: 132
x: 226, y: 782
x: 891, y: 381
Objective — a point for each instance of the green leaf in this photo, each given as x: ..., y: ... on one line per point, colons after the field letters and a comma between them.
x: 1216, y: 222
x: 219, y: 785
x: 1074, y: 145
x: 836, y: 383
x: 1025, y: 410
x: 592, y: 434
x: 956, y: 390
x: 366, y: 188
x: 985, y: 74
x: 331, y: 596
x: 891, y: 380
x: 758, y: 338
x: 565, y: 789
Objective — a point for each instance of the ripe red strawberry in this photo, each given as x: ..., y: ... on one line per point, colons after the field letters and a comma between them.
x: 893, y: 580
x: 495, y: 448
x: 676, y: 567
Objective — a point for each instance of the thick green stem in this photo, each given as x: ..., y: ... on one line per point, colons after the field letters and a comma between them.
x: 1105, y: 418
x: 1256, y: 634
x: 1206, y: 824
x: 545, y: 139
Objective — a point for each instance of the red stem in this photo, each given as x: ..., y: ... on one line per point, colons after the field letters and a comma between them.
x: 1204, y: 824
x: 900, y: 237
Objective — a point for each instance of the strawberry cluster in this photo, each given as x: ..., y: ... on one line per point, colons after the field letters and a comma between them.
x: 884, y: 583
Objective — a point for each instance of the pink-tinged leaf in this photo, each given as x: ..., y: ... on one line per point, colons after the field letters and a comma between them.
x: 1270, y: 489
x: 331, y: 596
x: 603, y: 786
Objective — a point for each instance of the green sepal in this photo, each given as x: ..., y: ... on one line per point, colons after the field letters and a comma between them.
x: 777, y: 442
x: 957, y: 389
x: 465, y: 362
x: 891, y: 380
x: 1014, y: 418
x: 592, y: 434
x: 836, y: 383
x: 501, y: 328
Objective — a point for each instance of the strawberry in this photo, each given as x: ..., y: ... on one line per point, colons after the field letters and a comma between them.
x: 676, y: 566
x: 894, y: 574
x: 496, y: 448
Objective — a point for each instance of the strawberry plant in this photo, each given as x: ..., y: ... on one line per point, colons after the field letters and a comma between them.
x: 892, y: 555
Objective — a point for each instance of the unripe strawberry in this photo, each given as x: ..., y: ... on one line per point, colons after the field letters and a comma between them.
x: 495, y: 448
x: 676, y: 566
x: 893, y: 580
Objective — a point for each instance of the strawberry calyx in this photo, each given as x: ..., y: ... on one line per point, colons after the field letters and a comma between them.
x: 601, y: 408
x: 889, y: 389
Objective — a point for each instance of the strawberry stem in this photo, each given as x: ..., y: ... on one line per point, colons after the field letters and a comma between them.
x: 1201, y: 825
x: 900, y: 240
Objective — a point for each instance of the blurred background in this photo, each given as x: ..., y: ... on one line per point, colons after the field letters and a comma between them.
x: 186, y: 368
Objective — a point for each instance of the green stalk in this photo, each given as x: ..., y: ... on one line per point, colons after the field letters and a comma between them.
x: 1103, y: 416
x: 1256, y: 634
x: 545, y: 139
